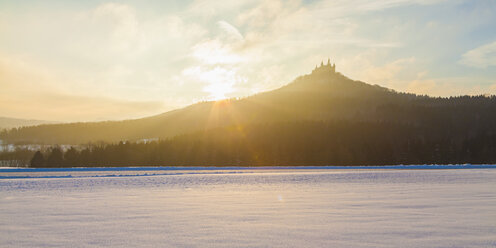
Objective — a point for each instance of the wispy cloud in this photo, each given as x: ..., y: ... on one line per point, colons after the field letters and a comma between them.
x: 481, y: 57
x: 231, y: 30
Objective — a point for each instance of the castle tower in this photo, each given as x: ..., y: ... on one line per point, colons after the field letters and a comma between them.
x: 325, y: 68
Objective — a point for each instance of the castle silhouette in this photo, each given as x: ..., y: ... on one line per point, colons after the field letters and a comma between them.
x: 325, y: 68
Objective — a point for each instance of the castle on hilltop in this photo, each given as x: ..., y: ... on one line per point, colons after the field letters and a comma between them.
x: 325, y: 68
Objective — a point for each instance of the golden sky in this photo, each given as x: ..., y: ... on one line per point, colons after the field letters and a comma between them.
x: 100, y: 60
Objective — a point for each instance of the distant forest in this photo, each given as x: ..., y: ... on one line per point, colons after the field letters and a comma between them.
x: 294, y: 143
x: 323, y: 118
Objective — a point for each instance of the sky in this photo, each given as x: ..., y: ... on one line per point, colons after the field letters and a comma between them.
x: 107, y: 60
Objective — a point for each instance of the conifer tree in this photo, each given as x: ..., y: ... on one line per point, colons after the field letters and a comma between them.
x: 38, y: 160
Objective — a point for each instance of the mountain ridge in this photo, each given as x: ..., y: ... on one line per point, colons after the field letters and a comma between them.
x: 8, y: 122
x: 322, y: 95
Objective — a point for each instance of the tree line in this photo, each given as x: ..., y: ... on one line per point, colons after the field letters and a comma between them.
x: 291, y: 143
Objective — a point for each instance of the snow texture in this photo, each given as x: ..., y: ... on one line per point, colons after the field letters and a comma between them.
x: 402, y: 206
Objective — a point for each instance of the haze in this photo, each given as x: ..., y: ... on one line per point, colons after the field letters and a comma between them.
x: 100, y: 60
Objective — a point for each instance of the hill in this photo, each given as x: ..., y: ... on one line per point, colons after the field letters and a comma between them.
x: 323, y: 95
x: 7, y: 123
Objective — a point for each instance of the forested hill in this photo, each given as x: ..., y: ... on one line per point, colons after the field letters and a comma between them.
x: 287, y: 144
x: 323, y: 95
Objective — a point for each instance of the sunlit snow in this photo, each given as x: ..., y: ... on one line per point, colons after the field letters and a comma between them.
x: 245, y: 207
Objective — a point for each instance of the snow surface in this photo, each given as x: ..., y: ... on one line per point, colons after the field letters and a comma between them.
x: 246, y: 207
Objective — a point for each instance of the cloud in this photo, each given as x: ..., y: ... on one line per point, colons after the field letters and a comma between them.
x: 217, y: 62
x: 215, y: 52
x: 121, y: 17
x: 205, y: 49
x: 480, y: 57
x: 110, y: 51
x: 389, y: 73
x: 32, y: 91
x: 405, y: 75
x: 231, y: 30
x: 339, y: 8
x: 211, y: 8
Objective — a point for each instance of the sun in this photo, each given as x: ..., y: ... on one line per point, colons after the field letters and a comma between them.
x: 219, y: 81
x: 219, y: 90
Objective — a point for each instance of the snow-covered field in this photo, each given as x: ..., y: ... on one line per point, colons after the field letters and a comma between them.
x: 246, y: 207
